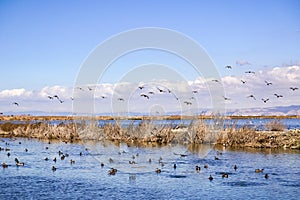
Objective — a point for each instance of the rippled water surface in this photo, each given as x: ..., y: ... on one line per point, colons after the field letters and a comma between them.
x: 86, y: 179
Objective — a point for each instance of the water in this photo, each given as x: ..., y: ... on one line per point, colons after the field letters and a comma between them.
x: 86, y: 179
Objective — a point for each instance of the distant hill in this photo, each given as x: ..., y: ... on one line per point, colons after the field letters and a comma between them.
x: 278, y: 110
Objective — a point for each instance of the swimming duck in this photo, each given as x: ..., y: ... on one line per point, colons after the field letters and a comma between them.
x: 110, y: 160
x: 132, y: 162
x: 210, y: 178
x: 266, y: 176
x: 46, y: 159
x: 54, y: 159
x: 198, y: 168
x: 216, y: 158
x: 54, y: 168
x: 102, y: 164
x: 4, y: 165
x: 149, y: 160
x: 259, y: 170
x: 112, y: 171
x: 205, y: 166
x: 158, y: 170
x: 18, y: 163
x: 235, y: 167
x: 175, y: 166
x: 72, y: 161
x: 224, y: 175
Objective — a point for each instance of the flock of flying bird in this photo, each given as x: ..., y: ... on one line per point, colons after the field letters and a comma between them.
x: 161, y: 90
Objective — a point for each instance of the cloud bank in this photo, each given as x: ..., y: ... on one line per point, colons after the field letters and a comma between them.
x: 162, y: 96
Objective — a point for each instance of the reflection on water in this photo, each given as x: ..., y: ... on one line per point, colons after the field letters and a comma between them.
x: 87, y: 179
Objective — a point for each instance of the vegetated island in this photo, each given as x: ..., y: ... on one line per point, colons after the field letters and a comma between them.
x: 76, y: 128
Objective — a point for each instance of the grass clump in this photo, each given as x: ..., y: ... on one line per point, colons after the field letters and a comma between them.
x: 275, y: 125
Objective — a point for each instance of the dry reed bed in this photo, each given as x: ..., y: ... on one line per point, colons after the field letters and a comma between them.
x: 196, y: 132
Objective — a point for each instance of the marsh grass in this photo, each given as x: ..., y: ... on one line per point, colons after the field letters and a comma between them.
x: 146, y: 131
x: 275, y: 125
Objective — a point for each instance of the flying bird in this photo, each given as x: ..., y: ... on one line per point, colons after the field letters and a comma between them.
x: 121, y: 99
x: 141, y: 87
x: 294, y: 88
x: 226, y: 98
x: 90, y: 88
x: 55, y: 96
x: 265, y: 100
x: 160, y: 90
x: 188, y: 103
x: 150, y: 92
x: 61, y: 101
x: 251, y: 96
x: 49, y: 97
x: 228, y: 67
x: 144, y: 95
x: 15, y: 103
x: 243, y: 81
x: 268, y: 83
x: 250, y: 72
x: 215, y: 80
x: 195, y: 91
x: 278, y: 95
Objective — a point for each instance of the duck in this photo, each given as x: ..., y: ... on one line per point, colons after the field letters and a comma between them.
x: 54, y: 168
x: 198, y: 168
x: 205, y: 166
x: 266, y: 176
x: 4, y: 165
x: 259, y: 170
x: 132, y: 162
x: 224, y: 175
x: 235, y: 167
x: 112, y: 171
x: 18, y: 163
x: 72, y: 161
x: 46, y: 159
x: 210, y: 177
x: 102, y: 164
x: 174, y: 166
x: 54, y: 159
x: 158, y: 170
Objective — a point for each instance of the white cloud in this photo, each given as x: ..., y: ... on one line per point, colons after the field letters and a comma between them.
x: 15, y: 93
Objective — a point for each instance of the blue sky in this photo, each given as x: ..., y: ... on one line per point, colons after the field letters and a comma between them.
x: 43, y: 43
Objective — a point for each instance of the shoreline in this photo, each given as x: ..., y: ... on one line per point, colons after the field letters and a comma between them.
x: 148, y: 132
x: 167, y: 117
